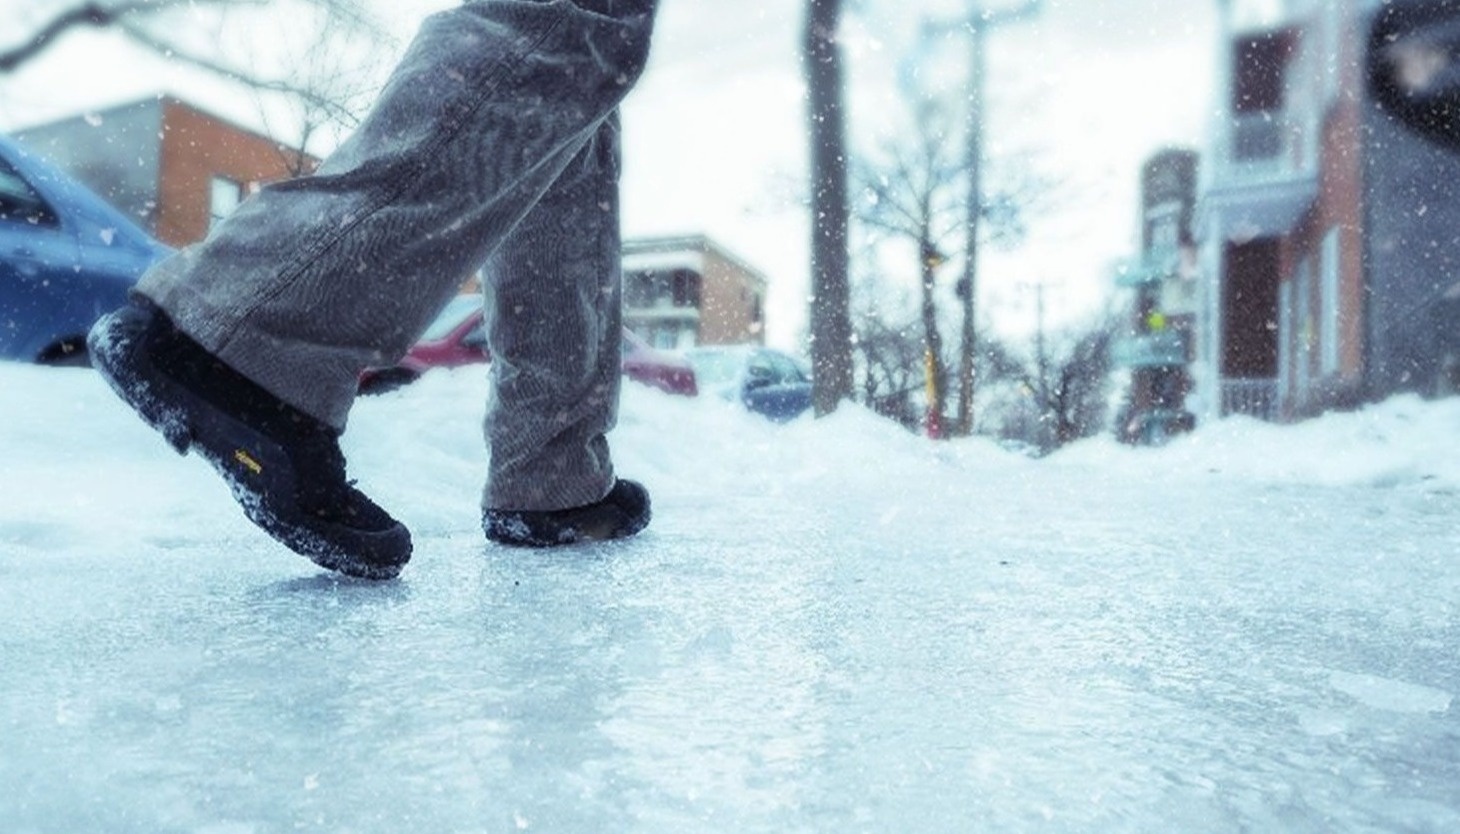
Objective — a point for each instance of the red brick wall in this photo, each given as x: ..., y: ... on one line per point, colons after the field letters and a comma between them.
x: 729, y: 303
x: 196, y: 148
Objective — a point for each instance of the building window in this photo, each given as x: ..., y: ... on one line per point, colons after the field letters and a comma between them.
x: 223, y: 197
x: 1261, y: 71
x: 1328, y: 333
x: 1163, y: 228
x: 637, y: 289
x: 685, y: 289
x: 1259, y: 96
x: 662, y: 288
x: 670, y: 335
x: 19, y: 203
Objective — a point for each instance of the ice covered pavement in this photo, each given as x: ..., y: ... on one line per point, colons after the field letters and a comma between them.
x: 830, y: 627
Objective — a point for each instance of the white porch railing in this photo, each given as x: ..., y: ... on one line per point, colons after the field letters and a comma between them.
x: 1251, y: 397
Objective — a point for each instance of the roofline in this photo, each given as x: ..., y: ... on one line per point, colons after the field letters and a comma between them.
x: 696, y: 242
x: 163, y: 100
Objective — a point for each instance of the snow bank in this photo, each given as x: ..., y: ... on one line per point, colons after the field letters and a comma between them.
x: 1405, y: 440
x: 77, y: 469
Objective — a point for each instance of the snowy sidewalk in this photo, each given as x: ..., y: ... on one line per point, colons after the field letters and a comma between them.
x: 830, y: 627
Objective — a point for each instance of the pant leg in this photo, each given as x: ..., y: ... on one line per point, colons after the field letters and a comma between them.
x: 313, y: 279
x: 554, y: 318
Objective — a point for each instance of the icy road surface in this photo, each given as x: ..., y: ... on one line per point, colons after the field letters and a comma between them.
x: 830, y: 626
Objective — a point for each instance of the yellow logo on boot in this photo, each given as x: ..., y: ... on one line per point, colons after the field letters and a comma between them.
x: 247, y: 460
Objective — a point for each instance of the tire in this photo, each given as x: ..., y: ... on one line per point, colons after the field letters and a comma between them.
x: 70, y: 353
x: 386, y: 381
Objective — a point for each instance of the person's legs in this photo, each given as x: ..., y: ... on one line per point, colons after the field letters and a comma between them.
x: 253, y: 348
x: 554, y: 311
x: 314, y: 279
x: 552, y: 296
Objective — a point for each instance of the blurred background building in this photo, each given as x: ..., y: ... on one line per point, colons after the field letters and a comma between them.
x: 1327, y: 230
x: 171, y: 166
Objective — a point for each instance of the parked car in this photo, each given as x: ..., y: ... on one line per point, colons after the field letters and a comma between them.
x: 666, y: 371
x: 66, y: 258
x: 764, y: 380
x: 457, y: 337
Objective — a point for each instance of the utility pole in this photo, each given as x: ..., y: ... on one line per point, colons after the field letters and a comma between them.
x: 831, y: 323
x: 978, y: 25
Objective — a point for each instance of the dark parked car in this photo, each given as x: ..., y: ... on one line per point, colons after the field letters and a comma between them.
x: 764, y: 380
x: 66, y: 258
x: 456, y: 338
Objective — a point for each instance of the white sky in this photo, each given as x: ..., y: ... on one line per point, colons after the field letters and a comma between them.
x: 715, y: 142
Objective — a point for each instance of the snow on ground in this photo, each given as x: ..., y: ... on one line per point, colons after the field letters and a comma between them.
x: 831, y: 626
x: 1404, y: 441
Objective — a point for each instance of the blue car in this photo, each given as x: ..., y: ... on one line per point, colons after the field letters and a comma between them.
x: 766, y: 381
x: 66, y: 258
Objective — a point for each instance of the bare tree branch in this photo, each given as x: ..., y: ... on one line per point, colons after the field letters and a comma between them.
x: 94, y: 15
x: 304, y: 93
x: 319, y: 58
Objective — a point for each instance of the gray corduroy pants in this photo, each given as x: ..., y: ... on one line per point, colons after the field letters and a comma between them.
x: 494, y: 143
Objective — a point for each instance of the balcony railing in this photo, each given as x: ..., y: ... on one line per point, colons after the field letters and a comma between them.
x: 1257, y: 137
x: 1264, y: 177
x: 1265, y: 146
x: 1250, y: 397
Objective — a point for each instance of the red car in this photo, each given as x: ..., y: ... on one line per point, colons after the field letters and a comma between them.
x: 456, y: 338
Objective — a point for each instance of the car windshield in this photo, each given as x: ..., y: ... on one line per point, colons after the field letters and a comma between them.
x: 454, y: 314
x: 18, y: 201
x: 715, y: 367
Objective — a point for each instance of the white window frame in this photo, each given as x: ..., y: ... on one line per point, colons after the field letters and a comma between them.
x: 1303, y: 309
x: 1331, y: 303
x: 1164, y: 224
x: 224, y: 196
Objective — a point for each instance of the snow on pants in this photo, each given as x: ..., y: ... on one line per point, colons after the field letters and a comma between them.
x: 495, y: 143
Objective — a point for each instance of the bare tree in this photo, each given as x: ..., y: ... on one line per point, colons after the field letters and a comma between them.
x: 979, y: 23
x: 55, y: 22
x: 911, y: 194
x: 1065, y: 389
x: 338, y: 83
x: 1075, y: 399
x: 189, y: 31
x: 891, y: 356
x: 913, y: 189
x: 831, y: 329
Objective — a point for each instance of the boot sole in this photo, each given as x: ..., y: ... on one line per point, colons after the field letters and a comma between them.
x: 584, y: 525
x: 164, y: 405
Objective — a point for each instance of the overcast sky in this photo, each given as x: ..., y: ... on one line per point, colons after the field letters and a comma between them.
x: 715, y: 142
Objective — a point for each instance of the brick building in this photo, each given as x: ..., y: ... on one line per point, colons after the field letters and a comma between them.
x: 685, y: 291
x: 1158, y: 345
x: 172, y: 167
x: 1327, y: 229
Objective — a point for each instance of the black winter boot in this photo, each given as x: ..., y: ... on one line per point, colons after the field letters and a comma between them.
x: 621, y: 513
x: 285, y: 467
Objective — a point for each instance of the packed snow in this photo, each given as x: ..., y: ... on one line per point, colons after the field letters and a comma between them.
x: 830, y: 626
